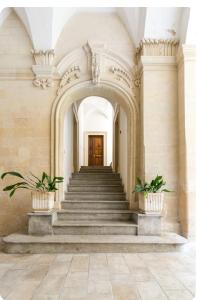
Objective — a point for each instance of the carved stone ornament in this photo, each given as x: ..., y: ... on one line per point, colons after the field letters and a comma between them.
x: 71, y: 74
x: 96, y: 68
x: 43, y: 68
x: 157, y: 47
x: 43, y: 57
x: 136, y: 77
x: 122, y: 75
x: 42, y: 82
x: 94, y: 53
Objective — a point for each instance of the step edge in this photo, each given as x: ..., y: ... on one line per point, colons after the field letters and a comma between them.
x: 119, y: 239
x: 94, y: 225
x: 63, y: 211
x: 95, y: 201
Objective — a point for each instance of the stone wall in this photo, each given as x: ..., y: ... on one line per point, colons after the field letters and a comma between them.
x: 25, y: 110
x: 24, y: 121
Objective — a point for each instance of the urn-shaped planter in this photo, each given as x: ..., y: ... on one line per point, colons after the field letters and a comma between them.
x: 152, y: 203
x: 42, y: 201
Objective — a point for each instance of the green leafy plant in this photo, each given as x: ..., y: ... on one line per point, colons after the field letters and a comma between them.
x: 153, y: 187
x: 32, y: 182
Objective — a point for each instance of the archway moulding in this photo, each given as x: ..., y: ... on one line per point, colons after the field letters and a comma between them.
x: 96, y: 63
x: 109, y: 88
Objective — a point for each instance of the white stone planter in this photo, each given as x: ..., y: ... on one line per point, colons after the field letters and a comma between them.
x: 152, y: 204
x: 42, y: 201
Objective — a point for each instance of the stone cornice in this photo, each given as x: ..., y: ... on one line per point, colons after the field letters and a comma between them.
x: 156, y: 47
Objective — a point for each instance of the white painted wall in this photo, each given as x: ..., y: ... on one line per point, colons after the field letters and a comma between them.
x: 68, y: 145
x: 95, y: 115
x: 81, y: 135
x: 123, y: 147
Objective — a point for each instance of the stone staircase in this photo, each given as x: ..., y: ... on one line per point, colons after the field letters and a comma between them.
x: 94, y: 217
x: 95, y: 204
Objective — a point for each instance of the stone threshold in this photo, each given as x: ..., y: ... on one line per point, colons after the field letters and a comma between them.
x: 21, y: 243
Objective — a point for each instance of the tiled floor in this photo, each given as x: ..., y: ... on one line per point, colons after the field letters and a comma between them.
x: 147, y: 276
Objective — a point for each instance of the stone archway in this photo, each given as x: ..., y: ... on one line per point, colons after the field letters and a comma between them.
x: 114, y: 90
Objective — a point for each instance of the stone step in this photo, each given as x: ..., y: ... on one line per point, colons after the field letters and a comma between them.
x: 94, y: 227
x: 96, y: 171
x: 28, y: 244
x: 93, y: 181
x: 99, y: 169
x: 94, y: 196
x: 96, y: 167
x: 92, y: 170
x: 81, y: 214
x: 94, y: 204
x: 93, y: 188
x: 91, y: 176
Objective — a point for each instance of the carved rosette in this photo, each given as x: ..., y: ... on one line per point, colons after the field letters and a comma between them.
x: 43, y: 68
x: 157, y: 47
x: 70, y: 75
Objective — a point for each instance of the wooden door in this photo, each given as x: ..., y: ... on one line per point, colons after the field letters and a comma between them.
x: 95, y: 150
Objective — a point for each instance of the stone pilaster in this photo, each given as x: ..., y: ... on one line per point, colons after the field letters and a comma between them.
x: 159, y: 120
x: 43, y: 69
x: 186, y: 107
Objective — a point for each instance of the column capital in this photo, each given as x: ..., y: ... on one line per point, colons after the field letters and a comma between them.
x: 156, y: 47
x: 43, y: 69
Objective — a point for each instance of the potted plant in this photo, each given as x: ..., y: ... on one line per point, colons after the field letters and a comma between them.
x: 42, y: 190
x: 151, y: 196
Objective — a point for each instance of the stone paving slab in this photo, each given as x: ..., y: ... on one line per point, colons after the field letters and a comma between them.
x: 97, y: 276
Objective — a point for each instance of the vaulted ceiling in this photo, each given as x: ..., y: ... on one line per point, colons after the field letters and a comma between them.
x: 44, y: 25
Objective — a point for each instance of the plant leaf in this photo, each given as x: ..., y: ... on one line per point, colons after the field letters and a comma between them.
x: 13, y: 173
x: 59, y: 178
x: 43, y: 176
x: 12, y: 193
x: 10, y: 187
x: 19, y: 187
x: 139, y: 181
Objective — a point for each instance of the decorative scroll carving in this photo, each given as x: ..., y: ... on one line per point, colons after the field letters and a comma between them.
x: 43, y: 68
x: 42, y: 82
x: 71, y: 74
x: 122, y: 75
x: 157, y: 47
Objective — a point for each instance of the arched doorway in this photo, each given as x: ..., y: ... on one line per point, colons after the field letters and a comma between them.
x: 80, y: 91
x: 95, y: 116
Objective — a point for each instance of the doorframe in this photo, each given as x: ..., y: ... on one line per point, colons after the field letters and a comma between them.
x: 75, y: 139
x: 86, y: 134
x: 115, y: 154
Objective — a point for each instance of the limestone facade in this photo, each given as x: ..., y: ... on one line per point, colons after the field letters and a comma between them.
x: 150, y: 83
